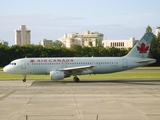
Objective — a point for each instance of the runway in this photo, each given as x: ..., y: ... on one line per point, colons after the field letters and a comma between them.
x: 87, y: 100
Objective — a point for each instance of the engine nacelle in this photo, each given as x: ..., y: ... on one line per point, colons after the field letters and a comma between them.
x: 57, y: 75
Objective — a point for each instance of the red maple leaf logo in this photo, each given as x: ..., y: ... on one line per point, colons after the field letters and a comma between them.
x: 142, y: 48
x: 31, y: 61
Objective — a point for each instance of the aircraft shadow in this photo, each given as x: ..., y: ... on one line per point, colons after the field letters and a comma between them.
x: 96, y: 82
x: 138, y: 82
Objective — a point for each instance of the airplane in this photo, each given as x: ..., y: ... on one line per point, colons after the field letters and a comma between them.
x: 62, y: 67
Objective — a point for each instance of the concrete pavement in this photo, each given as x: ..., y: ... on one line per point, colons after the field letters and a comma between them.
x: 87, y: 100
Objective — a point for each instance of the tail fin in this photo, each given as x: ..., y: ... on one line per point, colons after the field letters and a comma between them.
x: 141, y: 49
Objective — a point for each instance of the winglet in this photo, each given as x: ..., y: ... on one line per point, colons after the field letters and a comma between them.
x: 141, y: 49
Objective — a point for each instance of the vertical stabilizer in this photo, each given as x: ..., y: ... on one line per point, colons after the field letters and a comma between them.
x: 141, y: 49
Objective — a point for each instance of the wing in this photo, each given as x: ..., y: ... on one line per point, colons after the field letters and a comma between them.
x: 78, y: 70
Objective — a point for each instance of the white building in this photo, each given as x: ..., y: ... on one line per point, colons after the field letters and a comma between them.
x: 85, y: 39
x: 157, y: 30
x: 3, y: 42
x: 22, y: 36
x: 119, y: 43
x: 45, y: 42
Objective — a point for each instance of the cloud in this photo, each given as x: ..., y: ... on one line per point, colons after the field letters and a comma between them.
x: 63, y: 18
x: 132, y: 20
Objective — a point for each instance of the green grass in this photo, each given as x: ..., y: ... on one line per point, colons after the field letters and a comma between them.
x: 112, y: 76
x: 1, y: 68
x: 6, y: 76
x: 121, y: 75
x: 148, y: 68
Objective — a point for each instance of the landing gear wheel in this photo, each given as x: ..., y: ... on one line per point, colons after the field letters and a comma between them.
x: 76, y: 79
x: 24, y: 80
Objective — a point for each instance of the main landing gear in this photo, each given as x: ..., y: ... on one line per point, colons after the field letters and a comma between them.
x: 24, y: 79
x: 76, y: 79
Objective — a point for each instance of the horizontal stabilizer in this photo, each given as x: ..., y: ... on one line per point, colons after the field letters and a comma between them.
x: 145, y: 61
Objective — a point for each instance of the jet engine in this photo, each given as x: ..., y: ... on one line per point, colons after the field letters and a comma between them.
x: 57, y: 75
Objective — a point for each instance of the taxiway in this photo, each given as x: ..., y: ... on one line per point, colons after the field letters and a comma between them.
x: 87, y: 100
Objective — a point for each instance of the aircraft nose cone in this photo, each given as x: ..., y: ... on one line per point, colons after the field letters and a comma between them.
x: 10, y: 69
x: 4, y: 69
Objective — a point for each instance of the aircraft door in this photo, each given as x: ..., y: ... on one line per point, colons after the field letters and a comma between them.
x: 125, y: 63
x: 23, y: 64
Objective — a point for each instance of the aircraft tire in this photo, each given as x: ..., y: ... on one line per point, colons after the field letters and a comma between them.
x: 76, y: 79
x: 24, y: 80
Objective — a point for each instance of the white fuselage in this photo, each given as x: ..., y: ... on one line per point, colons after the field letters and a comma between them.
x: 101, y: 64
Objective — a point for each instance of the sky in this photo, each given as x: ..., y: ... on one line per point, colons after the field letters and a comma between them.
x: 51, y: 19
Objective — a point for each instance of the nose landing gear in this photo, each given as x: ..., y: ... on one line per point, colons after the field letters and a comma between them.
x: 24, y: 79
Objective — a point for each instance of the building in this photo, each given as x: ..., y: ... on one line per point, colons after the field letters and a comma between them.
x: 45, y: 42
x: 3, y: 42
x: 85, y: 39
x: 157, y: 31
x: 120, y: 43
x: 22, y: 36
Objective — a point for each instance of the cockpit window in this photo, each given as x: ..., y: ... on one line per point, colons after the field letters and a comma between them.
x: 12, y: 63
